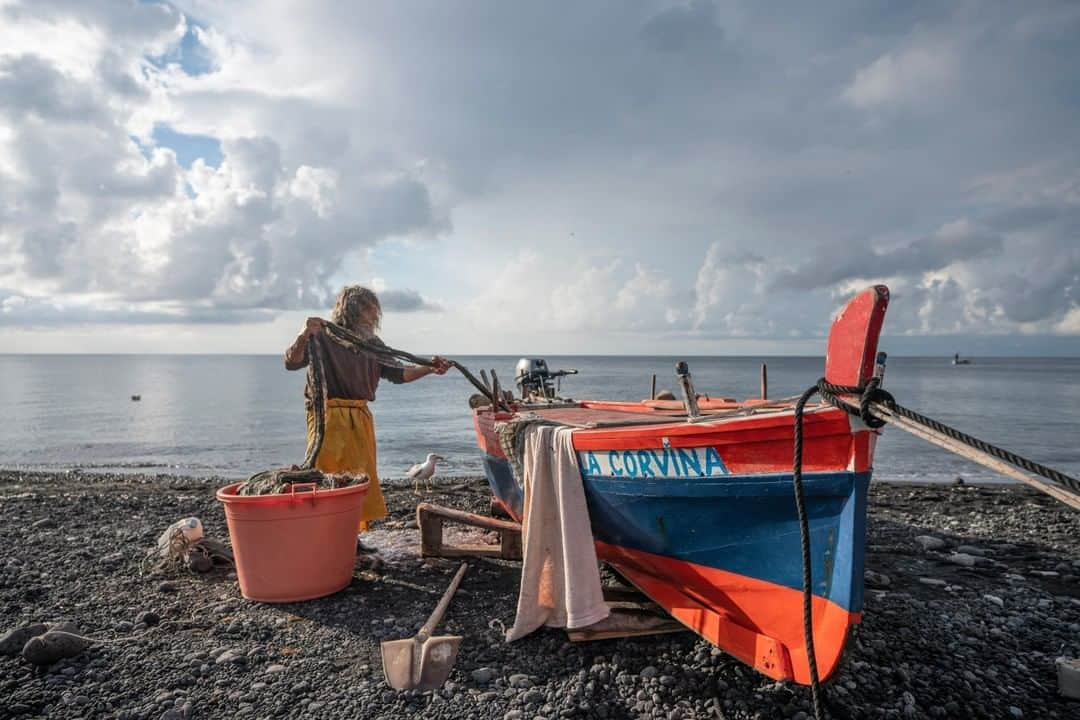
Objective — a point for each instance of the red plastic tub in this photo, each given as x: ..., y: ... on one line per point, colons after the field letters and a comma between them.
x: 293, y: 546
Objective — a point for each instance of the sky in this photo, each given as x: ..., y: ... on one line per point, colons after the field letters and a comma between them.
x: 589, y: 177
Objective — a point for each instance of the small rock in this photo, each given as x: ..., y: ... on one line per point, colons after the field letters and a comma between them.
x: 13, y: 641
x: 147, y: 618
x: 933, y: 582
x: 231, y: 656
x: 995, y: 600
x: 876, y: 579
x: 962, y: 559
x: 43, y: 524
x: 929, y: 542
x: 649, y: 672
x: 167, y: 587
x: 1016, y: 712
x: 520, y: 681
x: 971, y: 550
x: 483, y: 675
x: 199, y: 562
x: 274, y: 669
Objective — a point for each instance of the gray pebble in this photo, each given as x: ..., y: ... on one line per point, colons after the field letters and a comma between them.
x: 483, y: 675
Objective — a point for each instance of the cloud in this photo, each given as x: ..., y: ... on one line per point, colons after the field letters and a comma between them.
x: 96, y: 203
x: 736, y: 173
x: 404, y: 301
x: 684, y: 27
x: 910, y: 76
x: 953, y: 242
x: 23, y: 311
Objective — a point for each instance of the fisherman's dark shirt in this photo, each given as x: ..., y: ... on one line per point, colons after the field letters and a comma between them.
x: 349, y: 375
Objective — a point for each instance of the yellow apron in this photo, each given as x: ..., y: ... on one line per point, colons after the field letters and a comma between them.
x: 349, y: 447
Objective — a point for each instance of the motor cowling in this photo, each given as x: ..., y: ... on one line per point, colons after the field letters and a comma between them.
x: 535, y: 380
x: 532, y: 377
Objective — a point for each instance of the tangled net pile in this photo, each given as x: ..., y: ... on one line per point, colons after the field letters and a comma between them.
x: 199, y: 556
x: 282, y: 480
x: 272, y: 482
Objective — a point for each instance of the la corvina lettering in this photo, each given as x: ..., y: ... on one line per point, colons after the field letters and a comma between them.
x: 664, y: 463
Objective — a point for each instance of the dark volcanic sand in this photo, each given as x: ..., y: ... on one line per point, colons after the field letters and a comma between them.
x: 940, y: 639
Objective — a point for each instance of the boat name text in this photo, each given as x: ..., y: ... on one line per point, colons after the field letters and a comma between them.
x: 661, y: 463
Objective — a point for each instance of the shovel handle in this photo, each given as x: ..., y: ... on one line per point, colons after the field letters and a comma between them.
x: 440, y: 609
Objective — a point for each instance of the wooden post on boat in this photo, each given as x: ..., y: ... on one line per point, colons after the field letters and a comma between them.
x: 764, y: 382
x: 682, y: 370
x: 652, y: 392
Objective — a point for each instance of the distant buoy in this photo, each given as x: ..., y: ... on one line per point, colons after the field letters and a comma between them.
x: 136, y: 398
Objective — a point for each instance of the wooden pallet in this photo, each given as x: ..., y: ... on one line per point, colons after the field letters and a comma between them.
x: 430, y: 518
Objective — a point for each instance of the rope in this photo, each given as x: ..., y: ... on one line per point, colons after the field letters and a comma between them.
x: 278, y: 480
x: 374, y: 346
x: 318, y: 402
x: 804, y: 537
x: 871, y: 393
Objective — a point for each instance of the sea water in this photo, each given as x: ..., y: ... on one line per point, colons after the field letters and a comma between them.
x: 235, y: 415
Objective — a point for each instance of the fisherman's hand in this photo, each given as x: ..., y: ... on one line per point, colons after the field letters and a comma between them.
x: 440, y: 365
x: 314, y: 326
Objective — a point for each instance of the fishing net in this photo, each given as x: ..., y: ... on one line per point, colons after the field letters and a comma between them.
x: 282, y: 480
x: 180, y: 553
x: 271, y: 482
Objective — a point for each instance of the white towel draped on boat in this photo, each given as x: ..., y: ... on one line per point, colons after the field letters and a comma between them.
x: 560, y: 578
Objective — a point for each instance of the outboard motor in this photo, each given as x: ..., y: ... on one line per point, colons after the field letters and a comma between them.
x: 534, y: 380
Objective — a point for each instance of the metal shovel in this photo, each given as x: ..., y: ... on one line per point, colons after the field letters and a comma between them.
x: 423, y: 662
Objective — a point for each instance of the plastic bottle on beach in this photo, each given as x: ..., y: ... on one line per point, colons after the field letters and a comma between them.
x: 190, y: 526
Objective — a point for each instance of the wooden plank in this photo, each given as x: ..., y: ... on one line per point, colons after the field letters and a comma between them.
x: 426, y: 509
x: 621, y: 624
x: 470, y: 551
x: 430, y: 535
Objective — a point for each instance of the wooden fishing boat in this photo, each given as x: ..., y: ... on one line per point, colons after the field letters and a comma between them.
x: 699, y: 513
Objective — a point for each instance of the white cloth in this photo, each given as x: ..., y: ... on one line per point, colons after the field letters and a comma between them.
x: 560, y: 577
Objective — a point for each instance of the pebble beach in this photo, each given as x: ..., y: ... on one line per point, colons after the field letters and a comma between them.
x: 972, y: 593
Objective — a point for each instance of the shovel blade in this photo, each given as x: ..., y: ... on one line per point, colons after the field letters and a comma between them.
x: 397, y: 663
x: 409, y: 665
x: 437, y: 660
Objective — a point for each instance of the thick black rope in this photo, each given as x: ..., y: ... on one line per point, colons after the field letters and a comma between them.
x: 318, y: 401
x: 871, y: 393
x: 354, y: 343
x: 278, y: 480
x: 804, y: 537
x: 868, y: 395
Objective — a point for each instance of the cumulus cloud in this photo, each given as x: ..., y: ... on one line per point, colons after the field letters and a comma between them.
x: 953, y: 242
x: 737, y: 173
x: 910, y: 76
x: 406, y: 301
x: 92, y: 207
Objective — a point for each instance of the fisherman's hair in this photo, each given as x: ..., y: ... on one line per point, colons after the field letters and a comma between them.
x: 351, y: 301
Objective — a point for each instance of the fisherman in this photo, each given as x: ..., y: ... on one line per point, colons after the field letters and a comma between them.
x: 350, y: 380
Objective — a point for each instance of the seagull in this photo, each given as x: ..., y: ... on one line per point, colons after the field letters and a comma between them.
x: 424, y: 471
